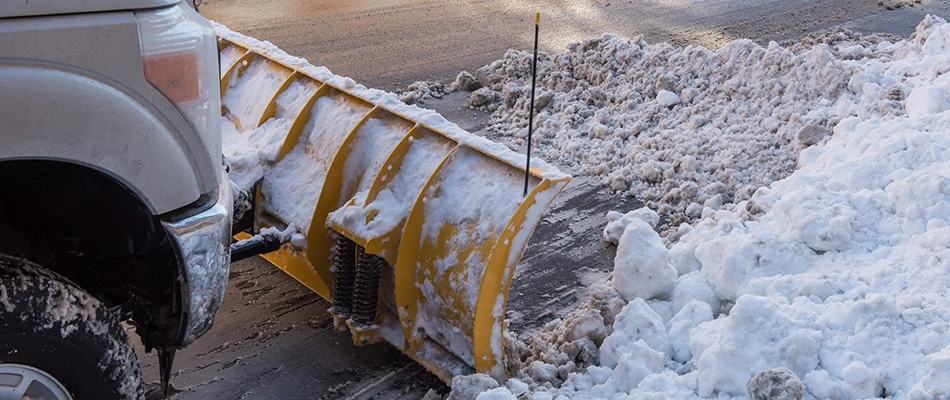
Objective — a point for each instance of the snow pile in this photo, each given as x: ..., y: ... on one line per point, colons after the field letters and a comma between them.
x: 419, y: 92
x: 895, y: 4
x: 835, y: 276
x: 680, y: 128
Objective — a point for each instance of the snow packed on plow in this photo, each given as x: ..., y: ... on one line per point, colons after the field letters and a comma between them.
x: 797, y: 221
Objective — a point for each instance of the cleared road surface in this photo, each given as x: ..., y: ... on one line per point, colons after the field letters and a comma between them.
x: 391, y: 43
x: 273, y: 338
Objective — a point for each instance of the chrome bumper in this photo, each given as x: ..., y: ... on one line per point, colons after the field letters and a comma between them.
x: 203, y: 241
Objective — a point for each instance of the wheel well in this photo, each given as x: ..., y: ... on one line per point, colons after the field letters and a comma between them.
x: 88, y: 227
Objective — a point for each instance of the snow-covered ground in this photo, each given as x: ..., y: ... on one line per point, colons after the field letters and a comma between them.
x: 806, y: 194
x: 798, y: 216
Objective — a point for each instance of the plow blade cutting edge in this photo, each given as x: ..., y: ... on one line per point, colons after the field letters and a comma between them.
x: 413, y: 226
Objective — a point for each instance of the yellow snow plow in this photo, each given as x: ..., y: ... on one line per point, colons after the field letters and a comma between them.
x: 413, y: 228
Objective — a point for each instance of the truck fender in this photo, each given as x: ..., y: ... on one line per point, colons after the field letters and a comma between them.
x: 53, y: 113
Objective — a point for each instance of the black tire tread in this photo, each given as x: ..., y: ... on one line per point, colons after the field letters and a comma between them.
x: 45, y: 319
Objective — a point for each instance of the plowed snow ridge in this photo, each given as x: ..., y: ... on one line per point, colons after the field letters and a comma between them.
x: 820, y: 176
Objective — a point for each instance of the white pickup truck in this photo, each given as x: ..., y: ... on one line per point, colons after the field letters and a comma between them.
x: 114, y: 199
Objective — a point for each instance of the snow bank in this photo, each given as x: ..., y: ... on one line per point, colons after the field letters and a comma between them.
x: 837, y: 272
x: 680, y: 128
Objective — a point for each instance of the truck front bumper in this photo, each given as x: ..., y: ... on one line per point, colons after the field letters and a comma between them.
x: 203, y: 242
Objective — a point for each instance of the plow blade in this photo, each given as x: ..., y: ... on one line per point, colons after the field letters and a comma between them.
x: 413, y: 227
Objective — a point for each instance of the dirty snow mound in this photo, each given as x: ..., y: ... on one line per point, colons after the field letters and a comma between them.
x: 895, y: 4
x: 831, y: 279
x: 680, y: 128
x: 419, y: 92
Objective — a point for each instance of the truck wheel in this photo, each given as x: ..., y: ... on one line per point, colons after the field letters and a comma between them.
x: 58, y: 342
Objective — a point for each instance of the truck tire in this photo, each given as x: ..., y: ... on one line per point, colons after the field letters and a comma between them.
x: 57, y: 339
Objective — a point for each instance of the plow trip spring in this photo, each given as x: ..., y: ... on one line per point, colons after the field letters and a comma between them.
x: 413, y: 228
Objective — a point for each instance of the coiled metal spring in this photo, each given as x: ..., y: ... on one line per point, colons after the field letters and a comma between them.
x: 366, y: 292
x: 345, y: 277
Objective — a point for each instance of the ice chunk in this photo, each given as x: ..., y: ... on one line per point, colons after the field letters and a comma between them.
x: 690, y: 316
x: 636, y: 322
x: 641, y: 267
x: 468, y: 387
x: 637, y: 364
x: 691, y: 287
x: 617, y: 222
x: 775, y: 384
x: 500, y: 393
x: 667, y: 98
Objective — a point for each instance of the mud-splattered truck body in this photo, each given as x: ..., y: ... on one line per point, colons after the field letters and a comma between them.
x: 114, y: 200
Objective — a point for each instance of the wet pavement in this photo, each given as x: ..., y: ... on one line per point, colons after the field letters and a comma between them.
x: 391, y: 43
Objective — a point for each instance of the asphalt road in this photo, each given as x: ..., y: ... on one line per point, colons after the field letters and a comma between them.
x: 390, y: 43
x: 273, y: 337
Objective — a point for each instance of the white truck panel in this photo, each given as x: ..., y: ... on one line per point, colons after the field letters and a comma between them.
x: 60, y: 102
x: 25, y: 8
